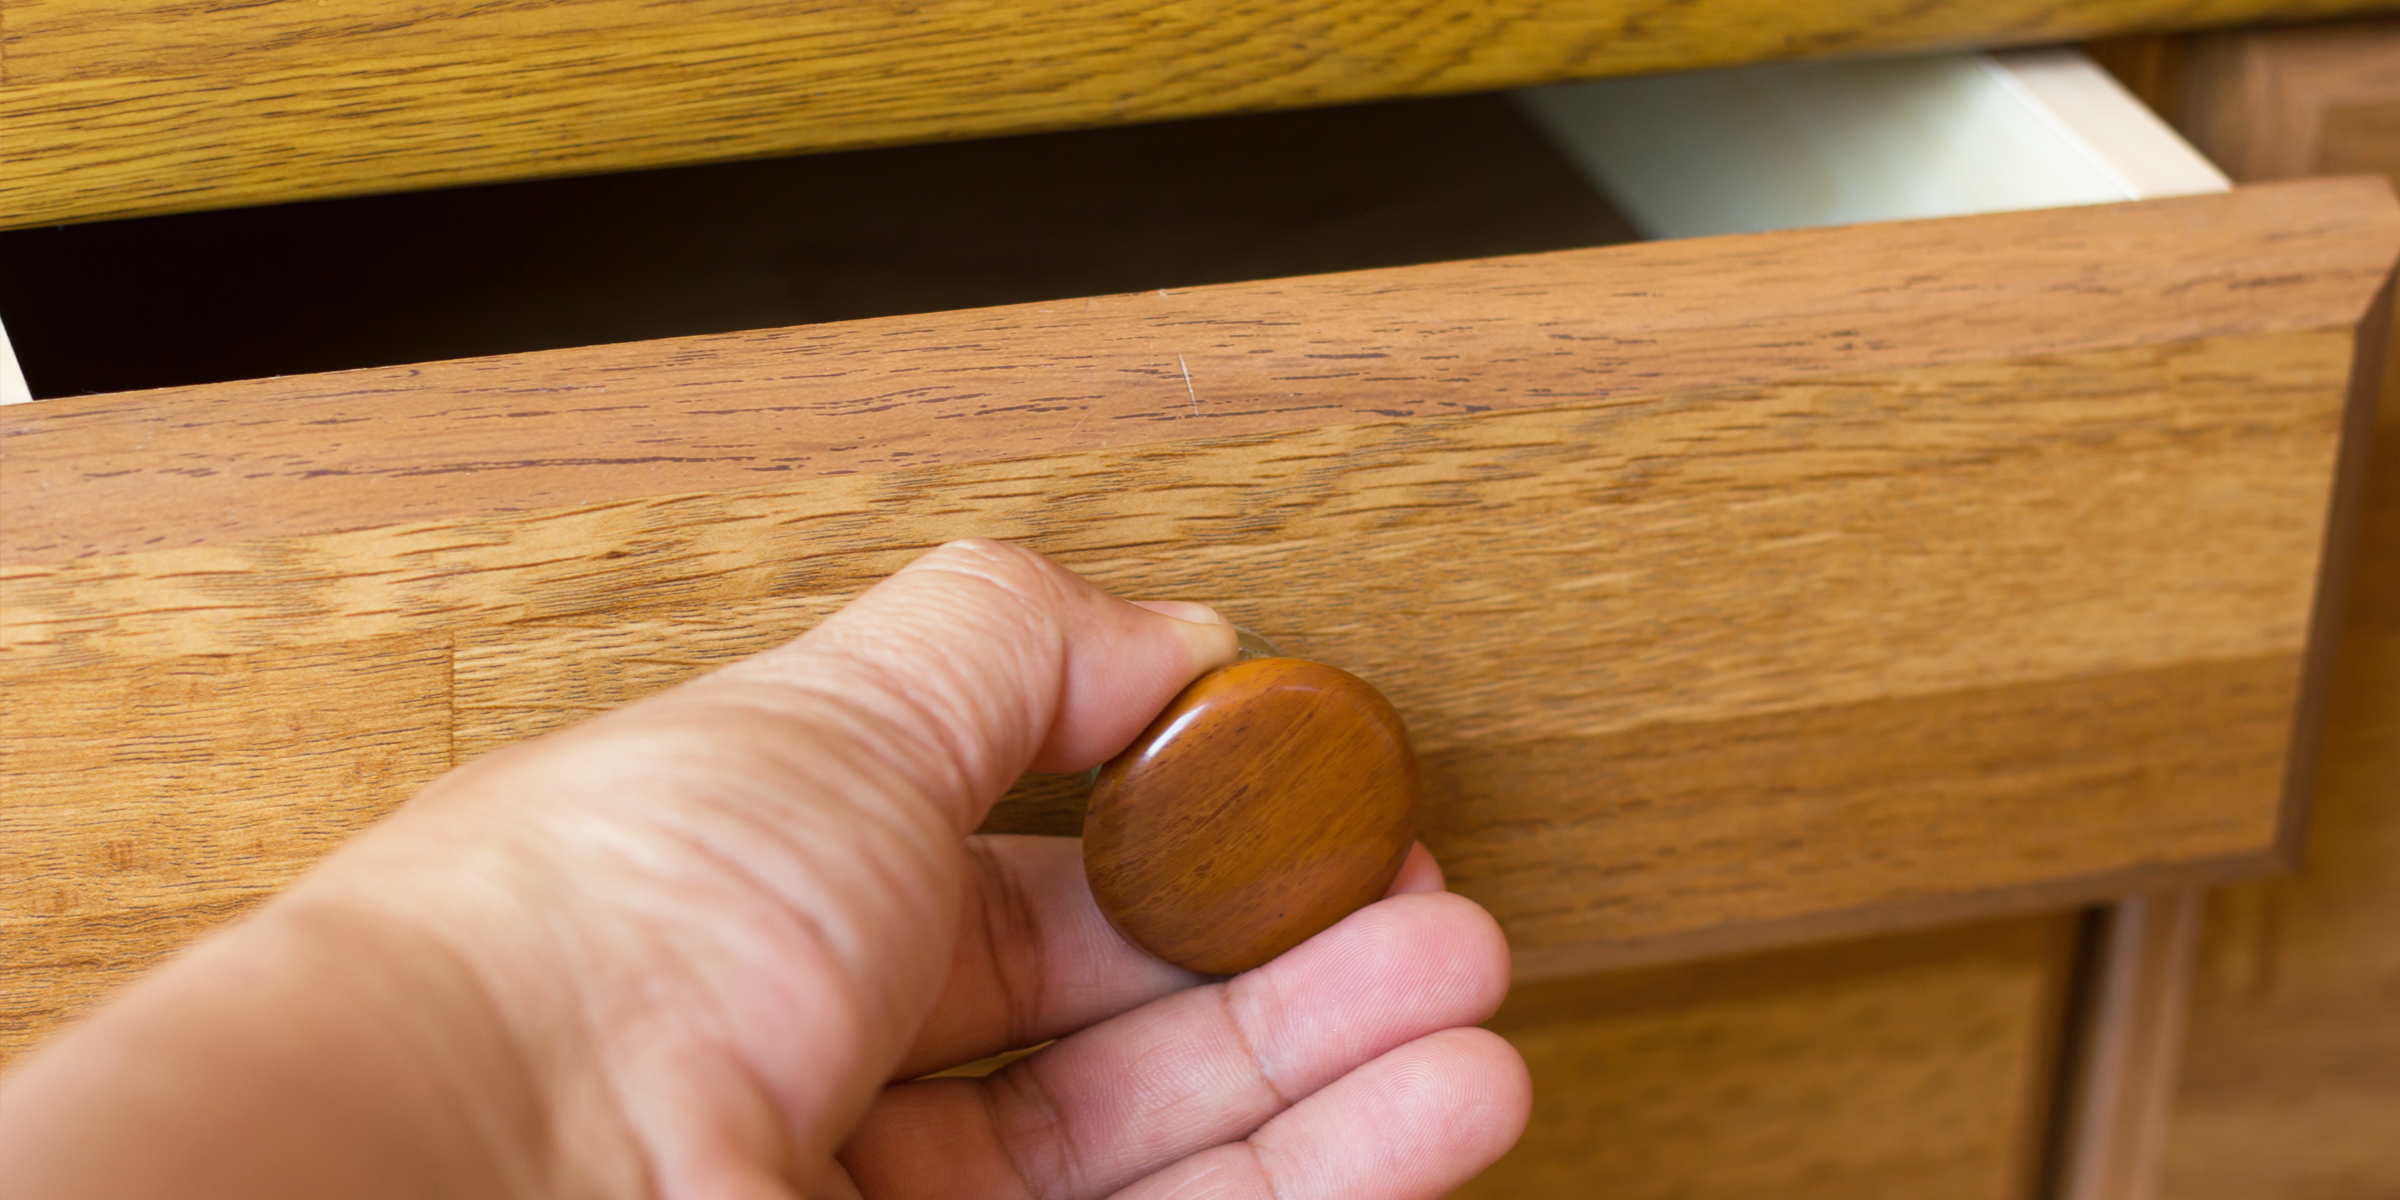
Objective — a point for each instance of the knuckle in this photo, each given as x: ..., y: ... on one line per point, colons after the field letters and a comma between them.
x: 1029, y: 582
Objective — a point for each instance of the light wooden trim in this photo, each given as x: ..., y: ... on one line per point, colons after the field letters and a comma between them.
x: 12, y: 378
x: 2144, y: 157
x: 1790, y: 145
x: 1738, y: 591
x: 124, y: 107
x: 2130, y: 1046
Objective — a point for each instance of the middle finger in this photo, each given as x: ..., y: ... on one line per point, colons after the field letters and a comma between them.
x: 1197, y: 1069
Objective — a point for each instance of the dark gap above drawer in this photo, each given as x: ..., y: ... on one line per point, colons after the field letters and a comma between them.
x: 382, y: 280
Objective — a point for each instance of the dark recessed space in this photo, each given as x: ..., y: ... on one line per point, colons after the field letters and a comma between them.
x: 379, y: 280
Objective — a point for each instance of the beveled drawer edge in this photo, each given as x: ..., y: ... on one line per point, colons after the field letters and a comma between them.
x: 1891, y: 917
x: 238, y: 462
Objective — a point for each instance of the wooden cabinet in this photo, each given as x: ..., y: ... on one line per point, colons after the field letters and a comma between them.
x: 1739, y: 591
x: 2291, y: 1073
x: 122, y: 107
x: 1903, y: 1065
x: 1742, y: 591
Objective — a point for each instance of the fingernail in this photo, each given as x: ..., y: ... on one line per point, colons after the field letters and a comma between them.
x: 1209, y: 636
x: 1419, y: 872
x: 1184, y: 610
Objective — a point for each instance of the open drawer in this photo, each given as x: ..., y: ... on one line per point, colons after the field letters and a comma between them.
x: 1737, y: 589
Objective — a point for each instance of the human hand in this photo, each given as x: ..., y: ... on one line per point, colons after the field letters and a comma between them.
x: 687, y: 948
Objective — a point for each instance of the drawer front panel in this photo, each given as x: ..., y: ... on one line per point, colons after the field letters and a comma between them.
x: 2290, y: 1076
x: 144, y: 804
x: 1712, y: 636
x: 1909, y: 1065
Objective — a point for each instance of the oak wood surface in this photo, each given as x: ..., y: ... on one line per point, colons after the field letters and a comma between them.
x: 2284, y: 104
x: 355, y: 450
x: 2291, y: 1078
x: 117, y: 107
x: 156, y: 799
x: 1909, y: 1065
x: 1268, y: 800
x: 1741, y: 591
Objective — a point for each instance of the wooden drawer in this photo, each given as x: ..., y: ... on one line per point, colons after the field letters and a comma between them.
x: 118, y: 107
x: 2290, y: 1079
x: 1740, y: 590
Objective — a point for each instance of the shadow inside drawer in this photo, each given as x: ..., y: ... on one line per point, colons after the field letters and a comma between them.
x: 380, y: 280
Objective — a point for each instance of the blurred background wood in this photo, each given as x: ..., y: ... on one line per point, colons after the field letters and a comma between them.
x: 2292, y: 1068
x: 1911, y: 1065
x: 2291, y: 1076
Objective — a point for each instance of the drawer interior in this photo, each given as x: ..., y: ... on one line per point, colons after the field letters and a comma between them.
x: 383, y: 280
x: 386, y: 280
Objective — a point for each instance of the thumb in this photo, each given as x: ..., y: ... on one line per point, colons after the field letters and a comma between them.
x: 756, y: 876
x: 982, y: 660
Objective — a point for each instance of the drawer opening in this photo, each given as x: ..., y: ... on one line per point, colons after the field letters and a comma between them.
x: 384, y: 280
x: 388, y: 280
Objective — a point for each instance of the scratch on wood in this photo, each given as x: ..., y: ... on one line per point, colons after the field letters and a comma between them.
x: 1187, y: 384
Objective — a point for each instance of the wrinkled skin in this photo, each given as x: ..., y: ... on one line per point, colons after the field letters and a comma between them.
x: 687, y: 948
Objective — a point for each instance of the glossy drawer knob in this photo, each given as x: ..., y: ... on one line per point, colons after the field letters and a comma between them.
x: 1271, y: 799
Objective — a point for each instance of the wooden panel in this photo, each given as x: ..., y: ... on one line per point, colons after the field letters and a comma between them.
x: 2291, y: 1077
x: 1900, y: 1066
x: 1610, y: 327
x: 2287, y: 1089
x: 1792, y: 833
x: 1784, y: 585
x: 2291, y: 1082
x: 117, y: 107
x: 149, y: 800
x: 2264, y: 104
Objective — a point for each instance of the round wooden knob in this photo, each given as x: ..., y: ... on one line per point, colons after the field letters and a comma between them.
x: 1271, y: 799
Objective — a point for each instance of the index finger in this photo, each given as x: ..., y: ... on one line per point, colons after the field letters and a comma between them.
x: 1035, y: 959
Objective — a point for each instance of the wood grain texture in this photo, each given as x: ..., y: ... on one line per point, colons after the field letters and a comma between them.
x: 1897, y: 1066
x: 1269, y: 800
x: 1736, y: 592
x: 2150, y: 65
x: 146, y: 802
x: 593, y: 426
x: 2289, y: 103
x: 2291, y: 1079
x: 117, y: 107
